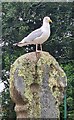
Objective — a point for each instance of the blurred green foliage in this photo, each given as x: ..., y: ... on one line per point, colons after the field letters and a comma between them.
x: 69, y: 70
x: 18, y: 20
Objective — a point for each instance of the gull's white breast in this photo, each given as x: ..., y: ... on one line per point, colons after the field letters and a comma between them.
x: 45, y: 35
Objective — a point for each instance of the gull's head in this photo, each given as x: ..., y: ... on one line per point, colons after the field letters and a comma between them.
x: 47, y: 20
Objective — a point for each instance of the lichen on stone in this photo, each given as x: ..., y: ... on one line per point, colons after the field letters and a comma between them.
x: 34, y: 71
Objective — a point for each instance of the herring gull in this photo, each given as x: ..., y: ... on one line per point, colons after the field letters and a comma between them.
x: 38, y: 36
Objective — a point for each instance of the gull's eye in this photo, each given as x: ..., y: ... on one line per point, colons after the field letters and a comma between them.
x: 46, y: 19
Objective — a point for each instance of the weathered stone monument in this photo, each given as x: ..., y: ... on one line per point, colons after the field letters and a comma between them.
x: 37, y: 85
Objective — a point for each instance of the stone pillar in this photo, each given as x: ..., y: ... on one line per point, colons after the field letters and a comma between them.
x: 37, y: 85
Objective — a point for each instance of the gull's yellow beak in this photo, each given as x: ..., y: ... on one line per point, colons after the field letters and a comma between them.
x: 50, y: 20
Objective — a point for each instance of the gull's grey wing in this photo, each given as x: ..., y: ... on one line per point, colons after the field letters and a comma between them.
x: 34, y: 34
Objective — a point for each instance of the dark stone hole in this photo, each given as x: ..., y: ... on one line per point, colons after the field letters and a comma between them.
x: 34, y: 87
x: 54, y: 88
x: 51, y: 65
x: 56, y: 102
x: 36, y: 67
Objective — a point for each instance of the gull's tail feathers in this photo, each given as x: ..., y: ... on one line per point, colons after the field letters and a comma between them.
x: 22, y: 44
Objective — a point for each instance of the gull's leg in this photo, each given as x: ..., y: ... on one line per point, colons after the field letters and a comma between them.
x: 41, y: 46
x: 36, y: 47
x: 37, y: 52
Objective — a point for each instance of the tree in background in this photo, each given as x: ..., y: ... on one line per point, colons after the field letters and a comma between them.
x: 18, y: 20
